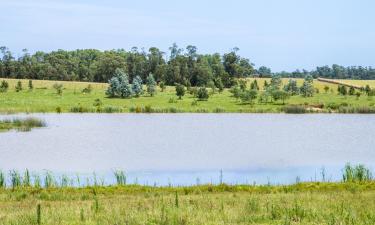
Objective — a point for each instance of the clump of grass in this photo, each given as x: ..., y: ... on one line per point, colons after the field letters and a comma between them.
x: 172, y: 100
x: 111, y: 109
x: 21, y: 124
x: 357, y: 173
x: 219, y: 110
x: 294, y: 109
x: 81, y: 109
x: 120, y: 177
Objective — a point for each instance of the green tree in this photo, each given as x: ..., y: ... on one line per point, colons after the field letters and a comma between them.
x: 31, y: 85
x: 219, y: 84
x: 19, y: 86
x: 242, y: 84
x: 162, y: 86
x: 180, y: 91
x: 351, y: 91
x: 254, y: 85
x: 151, y: 85
x: 291, y: 87
x: 137, y: 86
x: 326, y: 89
x: 307, y: 89
x: 248, y: 96
x: 367, y: 89
x: 119, y: 85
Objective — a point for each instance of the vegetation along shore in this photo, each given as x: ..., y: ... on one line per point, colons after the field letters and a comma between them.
x: 34, y: 199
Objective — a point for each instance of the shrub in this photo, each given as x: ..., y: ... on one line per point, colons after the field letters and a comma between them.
x: 4, y: 86
x: 162, y: 86
x: 180, y: 91
x: 87, y: 90
x: 31, y: 85
x: 172, y: 100
x: 151, y: 85
x: 19, y: 86
x: 58, y: 88
x: 202, y: 94
x: 193, y: 91
x: 58, y: 109
x: 249, y: 95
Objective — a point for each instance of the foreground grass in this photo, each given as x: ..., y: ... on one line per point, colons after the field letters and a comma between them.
x: 43, y: 98
x: 20, y: 124
x: 304, y: 203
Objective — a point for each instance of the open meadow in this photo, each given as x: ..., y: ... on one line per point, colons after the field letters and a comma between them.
x: 44, y: 98
x: 305, y: 203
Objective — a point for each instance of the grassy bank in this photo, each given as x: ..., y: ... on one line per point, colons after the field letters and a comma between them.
x: 20, y: 124
x: 305, y: 203
x: 44, y: 98
x: 43, y: 200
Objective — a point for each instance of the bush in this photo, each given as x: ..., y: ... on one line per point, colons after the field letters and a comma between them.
x: 4, y: 86
x: 87, y: 90
x: 193, y: 91
x: 180, y: 91
x: 31, y: 85
x: 19, y: 86
x: 58, y: 109
x: 58, y: 88
x: 162, y: 86
x: 294, y: 109
x: 202, y: 94
x: 172, y: 100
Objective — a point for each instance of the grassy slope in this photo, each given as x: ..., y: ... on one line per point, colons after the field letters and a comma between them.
x: 310, y: 203
x: 44, y: 99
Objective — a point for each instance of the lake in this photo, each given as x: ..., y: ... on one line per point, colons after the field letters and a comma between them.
x: 184, y: 149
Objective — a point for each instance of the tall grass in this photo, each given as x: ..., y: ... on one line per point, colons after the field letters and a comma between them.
x: 120, y: 177
x: 25, y: 124
x: 357, y: 173
x: 295, y: 109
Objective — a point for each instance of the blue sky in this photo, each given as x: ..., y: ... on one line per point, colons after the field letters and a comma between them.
x: 281, y: 34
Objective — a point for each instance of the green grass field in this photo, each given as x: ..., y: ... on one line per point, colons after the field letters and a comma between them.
x: 43, y: 98
x: 305, y: 203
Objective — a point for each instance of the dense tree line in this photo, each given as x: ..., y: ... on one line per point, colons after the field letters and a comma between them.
x: 183, y: 66
x: 334, y: 72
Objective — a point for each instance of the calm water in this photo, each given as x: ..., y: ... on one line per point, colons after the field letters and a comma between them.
x: 185, y: 149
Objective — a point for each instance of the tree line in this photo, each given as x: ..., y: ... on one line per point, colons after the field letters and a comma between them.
x: 182, y: 66
x: 178, y: 66
x: 332, y: 72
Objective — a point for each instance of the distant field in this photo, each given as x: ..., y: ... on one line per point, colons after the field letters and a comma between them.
x: 43, y: 98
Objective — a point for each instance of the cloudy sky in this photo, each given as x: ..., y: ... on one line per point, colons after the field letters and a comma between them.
x: 281, y: 34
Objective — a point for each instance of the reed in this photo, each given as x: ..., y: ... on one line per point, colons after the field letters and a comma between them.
x: 120, y: 177
x: 25, y: 124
